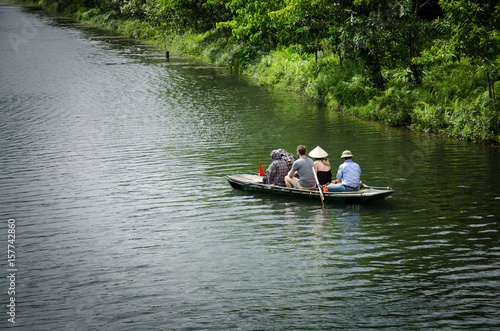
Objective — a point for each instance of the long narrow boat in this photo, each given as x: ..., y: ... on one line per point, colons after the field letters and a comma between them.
x: 247, y: 182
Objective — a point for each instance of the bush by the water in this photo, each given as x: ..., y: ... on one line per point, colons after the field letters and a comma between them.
x: 442, y: 81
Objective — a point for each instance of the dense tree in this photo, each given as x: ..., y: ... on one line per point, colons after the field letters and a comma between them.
x: 312, y: 24
x: 383, y: 48
x: 185, y: 14
x: 387, y: 34
x: 471, y: 28
x: 251, y: 20
x: 379, y: 34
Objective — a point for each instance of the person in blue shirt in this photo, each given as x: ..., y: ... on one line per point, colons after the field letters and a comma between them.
x: 348, y: 175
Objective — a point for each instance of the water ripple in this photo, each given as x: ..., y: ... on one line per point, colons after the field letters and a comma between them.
x: 113, y: 165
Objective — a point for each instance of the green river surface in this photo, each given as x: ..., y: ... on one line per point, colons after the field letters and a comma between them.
x: 112, y: 170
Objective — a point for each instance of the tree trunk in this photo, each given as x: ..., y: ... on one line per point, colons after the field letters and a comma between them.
x: 490, y: 89
x: 340, y: 56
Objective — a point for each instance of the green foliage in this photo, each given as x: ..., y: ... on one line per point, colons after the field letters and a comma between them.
x: 479, y: 121
x: 455, y: 80
x: 311, y: 24
x: 284, y: 68
x: 381, y: 60
x: 344, y: 93
x: 212, y: 48
x: 251, y: 21
x: 395, y: 106
x: 386, y: 34
x: 430, y: 118
x: 469, y: 29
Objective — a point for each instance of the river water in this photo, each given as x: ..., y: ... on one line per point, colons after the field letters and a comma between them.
x: 113, y: 165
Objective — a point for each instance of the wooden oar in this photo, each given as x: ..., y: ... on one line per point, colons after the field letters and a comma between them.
x: 319, y: 188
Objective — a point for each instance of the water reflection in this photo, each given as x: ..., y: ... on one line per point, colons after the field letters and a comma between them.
x: 114, y: 162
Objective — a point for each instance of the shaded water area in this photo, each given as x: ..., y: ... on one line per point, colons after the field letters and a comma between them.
x: 113, y: 165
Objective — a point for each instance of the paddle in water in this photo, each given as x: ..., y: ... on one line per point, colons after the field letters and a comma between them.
x: 319, y: 188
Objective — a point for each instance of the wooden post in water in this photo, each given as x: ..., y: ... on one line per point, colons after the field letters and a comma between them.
x: 167, y: 55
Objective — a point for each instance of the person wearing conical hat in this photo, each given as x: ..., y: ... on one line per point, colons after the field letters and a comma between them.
x: 321, y: 165
x: 348, y: 175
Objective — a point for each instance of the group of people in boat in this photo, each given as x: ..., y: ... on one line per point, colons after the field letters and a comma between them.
x: 299, y: 172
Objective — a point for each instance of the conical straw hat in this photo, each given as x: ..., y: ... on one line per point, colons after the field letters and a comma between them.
x: 318, y: 153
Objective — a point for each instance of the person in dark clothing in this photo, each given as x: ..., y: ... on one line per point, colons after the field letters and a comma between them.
x: 321, y: 165
x: 277, y: 170
x: 288, y: 157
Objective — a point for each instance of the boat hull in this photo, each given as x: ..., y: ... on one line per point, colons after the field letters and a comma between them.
x: 254, y: 183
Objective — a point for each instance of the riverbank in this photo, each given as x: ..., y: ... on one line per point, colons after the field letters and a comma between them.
x: 452, y: 100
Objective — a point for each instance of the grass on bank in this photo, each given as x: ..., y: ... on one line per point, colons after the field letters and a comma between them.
x: 452, y: 100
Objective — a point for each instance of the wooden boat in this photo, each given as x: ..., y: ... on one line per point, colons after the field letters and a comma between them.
x: 248, y: 182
